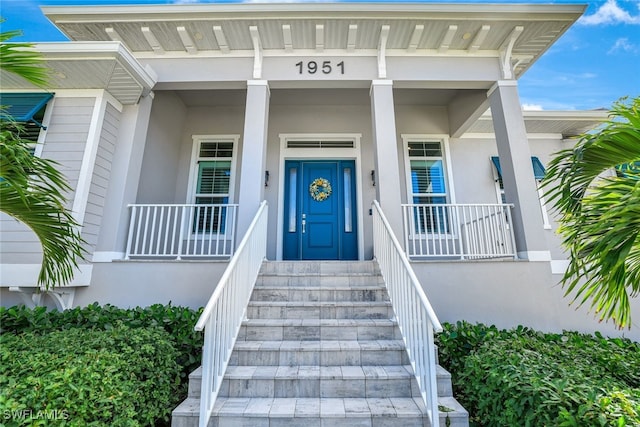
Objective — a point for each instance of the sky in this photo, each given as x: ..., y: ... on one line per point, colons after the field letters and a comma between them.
x: 595, y: 63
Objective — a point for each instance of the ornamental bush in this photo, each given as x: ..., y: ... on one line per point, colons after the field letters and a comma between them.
x: 177, y: 321
x: 528, y: 378
x: 83, y: 377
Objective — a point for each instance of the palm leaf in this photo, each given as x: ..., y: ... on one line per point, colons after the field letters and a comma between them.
x: 32, y: 190
x: 22, y: 59
x: 600, y: 214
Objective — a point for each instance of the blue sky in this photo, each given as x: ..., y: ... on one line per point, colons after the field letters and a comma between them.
x: 595, y: 63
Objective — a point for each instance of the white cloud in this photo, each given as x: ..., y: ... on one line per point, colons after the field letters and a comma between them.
x: 532, y: 107
x: 610, y: 13
x: 623, y: 44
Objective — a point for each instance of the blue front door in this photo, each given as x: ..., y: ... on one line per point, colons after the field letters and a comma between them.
x: 320, y: 210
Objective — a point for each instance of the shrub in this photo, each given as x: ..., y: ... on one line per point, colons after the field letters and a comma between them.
x: 524, y: 377
x: 177, y: 321
x: 117, y: 377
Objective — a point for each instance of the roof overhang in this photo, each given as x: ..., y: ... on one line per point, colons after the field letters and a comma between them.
x: 566, y: 123
x: 91, y: 65
x: 518, y: 32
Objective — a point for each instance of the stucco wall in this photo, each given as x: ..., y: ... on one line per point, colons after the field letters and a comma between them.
x: 319, y: 112
x: 131, y: 283
x: 507, y: 294
x: 162, y: 149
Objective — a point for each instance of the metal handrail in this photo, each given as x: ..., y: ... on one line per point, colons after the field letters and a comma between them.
x: 222, y: 316
x: 416, y: 318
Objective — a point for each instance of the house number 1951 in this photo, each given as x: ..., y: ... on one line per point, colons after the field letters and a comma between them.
x: 325, y: 67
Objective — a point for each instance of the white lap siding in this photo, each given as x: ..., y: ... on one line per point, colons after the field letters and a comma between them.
x: 100, y: 177
x: 65, y: 142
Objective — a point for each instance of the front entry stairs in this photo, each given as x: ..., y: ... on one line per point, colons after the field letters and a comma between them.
x: 320, y: 347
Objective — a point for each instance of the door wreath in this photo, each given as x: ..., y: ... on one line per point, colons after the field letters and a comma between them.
x: 320, y: 189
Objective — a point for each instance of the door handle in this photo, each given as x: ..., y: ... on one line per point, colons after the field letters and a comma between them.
x: 304, y: 223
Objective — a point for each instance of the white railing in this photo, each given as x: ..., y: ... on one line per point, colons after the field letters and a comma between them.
x: 465, y: 231
x: 226, y: 308
x: 416, y: 318
x: 177, y: 231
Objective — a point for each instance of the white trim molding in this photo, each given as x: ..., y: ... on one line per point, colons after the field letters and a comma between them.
x: 535, y: 256
x: 26, y: 275
x: 23, y: 278
x: 559, y: 266
x: 195, y: 158
x: 107, y: 256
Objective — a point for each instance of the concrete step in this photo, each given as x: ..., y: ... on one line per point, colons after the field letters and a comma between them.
x: 320, y: 280
x: 254, y: 380
x: 319, y: 268
x: 320, y: 310
x: 321, y: 353
x: 318, y: 381
x: 320, y: 348
x: 321, y: 294
x: 318, y: 329
x: 319, y: 412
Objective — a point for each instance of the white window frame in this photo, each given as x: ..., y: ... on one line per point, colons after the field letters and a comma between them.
x: 195, y: 159
x: 446, y: 164
x: 500, y: 193
x: 48, y: 112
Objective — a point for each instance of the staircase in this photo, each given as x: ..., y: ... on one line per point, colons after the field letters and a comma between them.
x: 320, y: 348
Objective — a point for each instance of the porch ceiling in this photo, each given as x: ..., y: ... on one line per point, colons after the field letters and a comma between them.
x: 89, y: 65
x: 417, y: 29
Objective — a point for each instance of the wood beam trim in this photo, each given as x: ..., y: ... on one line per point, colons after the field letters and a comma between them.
x: 287, y: 37
x: 186, y: 39
x: 415, y: 37
x: 319, y: 37
x: 382, y: 51
x: 221, y: 39
x: 447, y: 38
x: 152, y: 40
x: 351, y: 37
x: 257, y: 52
x: 479, y: 38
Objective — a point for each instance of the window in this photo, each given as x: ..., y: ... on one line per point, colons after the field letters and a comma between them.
x: 538, y: 173
x: 213, y: 176
x: 427, y: 185
x: 28, y: 110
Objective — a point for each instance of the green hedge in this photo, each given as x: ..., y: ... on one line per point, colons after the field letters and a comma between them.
x: 82, y: 377
x: 177, y: 321
x: 528, y: 378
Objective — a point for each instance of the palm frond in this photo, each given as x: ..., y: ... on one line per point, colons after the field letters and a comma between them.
x: 23, y: 60
x: 600, y: 214
x: 32, y: 190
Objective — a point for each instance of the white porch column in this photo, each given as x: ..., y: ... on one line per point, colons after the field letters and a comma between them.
x: 254, y: 152
x: 124, y: 179
x: 386, y: 153
x: 517, y: 173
